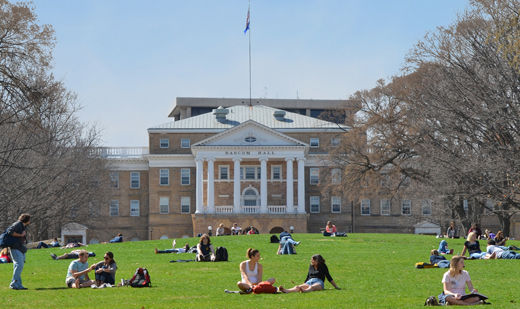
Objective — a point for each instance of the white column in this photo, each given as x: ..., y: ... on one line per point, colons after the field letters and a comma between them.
x: 198, y: 186
x: 290, y: 185
x: 236, y: 186
x: 301, y: 185
x: 211, y: 186
x: 263, y: 185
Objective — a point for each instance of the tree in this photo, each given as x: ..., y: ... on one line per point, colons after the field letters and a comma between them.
x: 48, y: 166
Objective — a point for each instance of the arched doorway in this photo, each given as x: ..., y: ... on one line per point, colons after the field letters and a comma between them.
x: 276, y: 230
x: 250, y: 197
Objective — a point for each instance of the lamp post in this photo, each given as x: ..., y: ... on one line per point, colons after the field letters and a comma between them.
x: 291, y: 228
x: 210, y: 228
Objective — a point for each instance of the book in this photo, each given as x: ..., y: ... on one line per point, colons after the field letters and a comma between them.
x: 482, y: 297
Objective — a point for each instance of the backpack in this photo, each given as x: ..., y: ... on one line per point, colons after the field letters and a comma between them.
x: 264, y: 287
x: 431, y: 301
x: 221, y: 254
x: 425, y: 265
x: 274, y: 239
x: 140, y: 279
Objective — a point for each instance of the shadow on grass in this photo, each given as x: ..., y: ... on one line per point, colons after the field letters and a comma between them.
x: 55, y: 288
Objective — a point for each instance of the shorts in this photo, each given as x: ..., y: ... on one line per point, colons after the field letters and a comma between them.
x: 71, y: 280
x: 313, y: 281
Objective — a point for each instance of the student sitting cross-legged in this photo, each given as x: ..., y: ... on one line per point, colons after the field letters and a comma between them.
x: 251, y: 271
x: 77, y: 274
x: 105, y: 270
x: 454, y: 285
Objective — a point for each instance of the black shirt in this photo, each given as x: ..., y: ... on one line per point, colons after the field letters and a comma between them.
x: 18, y: 227
x: 320, y: 273
x: 473, y: 247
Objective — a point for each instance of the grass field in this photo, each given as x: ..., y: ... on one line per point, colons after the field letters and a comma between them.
x: 373, y: 270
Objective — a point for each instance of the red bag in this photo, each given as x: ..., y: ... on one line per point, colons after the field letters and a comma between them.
x: 264, y: 287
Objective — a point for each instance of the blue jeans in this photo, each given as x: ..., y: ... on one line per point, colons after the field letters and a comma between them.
x: 18, y: 261
x: 510, y: 255
x: 443, y: 264
x: 477, y: 255
x: 287, y: 244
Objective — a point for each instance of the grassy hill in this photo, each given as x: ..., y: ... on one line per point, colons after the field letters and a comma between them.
x: 373, y: 270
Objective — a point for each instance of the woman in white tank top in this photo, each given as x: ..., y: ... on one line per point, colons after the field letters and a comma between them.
x: 251, y: 271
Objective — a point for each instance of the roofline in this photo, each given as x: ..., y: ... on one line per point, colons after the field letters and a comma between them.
x: 204, y: 130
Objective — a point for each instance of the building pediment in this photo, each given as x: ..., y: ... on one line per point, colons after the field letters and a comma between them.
x: 250, y: 133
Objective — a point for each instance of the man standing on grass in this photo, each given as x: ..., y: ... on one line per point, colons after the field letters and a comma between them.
x: 18, y: 249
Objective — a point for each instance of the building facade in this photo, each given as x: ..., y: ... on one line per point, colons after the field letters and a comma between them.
x: 264, y: 165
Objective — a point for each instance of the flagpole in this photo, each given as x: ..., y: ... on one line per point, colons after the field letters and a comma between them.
x: 249, y: 10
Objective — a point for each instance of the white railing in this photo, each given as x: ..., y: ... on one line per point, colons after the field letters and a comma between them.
x: 250, y: 209
x: 277, y: 209
x: 122, y: 152
x: 223, y: 209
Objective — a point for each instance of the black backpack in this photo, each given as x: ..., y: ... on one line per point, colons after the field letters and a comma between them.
x: 274, y: 239
x: 221, y: 254
x: 140, y: 279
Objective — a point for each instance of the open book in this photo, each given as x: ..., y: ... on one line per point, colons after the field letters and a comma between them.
x: 482, y: 297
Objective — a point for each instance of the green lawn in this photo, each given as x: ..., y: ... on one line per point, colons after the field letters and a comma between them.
x: 373, y: 270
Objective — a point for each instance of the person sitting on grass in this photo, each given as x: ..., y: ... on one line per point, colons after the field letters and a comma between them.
x: 184, y: 249
x: 315, y: 280
x: 220, y: 230
x: 498, y: 252
x: 251, y: 272
x: 287, y: 245
x: 77, y: 274
x: 440, y: 260
x: 443, y: 248
x: 74, y: 254
x: 105, y: 270
x: 5, y: 255
x: 473, y: 247
x: 205, y: 251
x: 454, y: 284
x: 330, y: 229
x: 235, y: 229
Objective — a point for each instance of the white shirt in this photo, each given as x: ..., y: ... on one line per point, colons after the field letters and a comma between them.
x: 457, y: 284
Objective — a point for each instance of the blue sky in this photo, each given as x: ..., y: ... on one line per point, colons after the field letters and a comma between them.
x: 128, y: 60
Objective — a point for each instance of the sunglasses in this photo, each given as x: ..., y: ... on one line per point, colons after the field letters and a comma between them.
x: 106, y: 257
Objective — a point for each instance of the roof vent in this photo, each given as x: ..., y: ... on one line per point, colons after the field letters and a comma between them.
x: 279, y: 114
x: 220, y: 113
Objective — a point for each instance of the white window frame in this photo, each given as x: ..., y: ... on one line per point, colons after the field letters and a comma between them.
x: 272, y: 172
x: 335, y: 200
x: 243, y: 172
x: 138, y: 180
x: 316, y: 198
x: 334, y: 141
x: 164, y: 143
x: 220, y: 167
x: 185, y: 143
x: 365, y: 205
x: 164, y: 205
x: 184, y: 170
x: 406, y: 204
x: 164, y: 173
x: 465, y: 206
x: 425, y: 204
x: 385, y: 207
x: 316, y: 172
x: 114, y: 208
x: 114, y: 179
x: 335, y: 176
x: 185, y: 201
x: 314, y: 142
x: 135, y: 210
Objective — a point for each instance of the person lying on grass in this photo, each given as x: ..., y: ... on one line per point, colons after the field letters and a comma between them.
x: 184, y: 249
x: 105, y: 270
x: 498, y: 252
x: 318, y: 271
x: 74, y: 254
x: 251, y: 271
x: 454, y: 284
x: 205, y: 251
x: 77, y: 274
x: 436, y: 258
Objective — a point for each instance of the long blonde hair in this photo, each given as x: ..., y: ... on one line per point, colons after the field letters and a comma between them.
x: 453, y: 265
x: 470, y: 235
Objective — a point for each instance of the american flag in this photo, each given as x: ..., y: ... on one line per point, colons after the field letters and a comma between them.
x: 247, y: 22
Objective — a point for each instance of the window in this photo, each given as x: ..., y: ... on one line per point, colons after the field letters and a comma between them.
x: 336, y: 176
x: 134, y: 208
x: 185, y: 176
x: 335, y: 204
x: 365, y: 207
x: 465, y: 206
x: 315, y: 204
x: 164, y: 177
x: 114, y: 208
x: 489, y: 206
x: 334, y: 142
x: 315, y: 176
x: 185, y: 204
x: 114, y: 179
x: 185, y: 143
x: 385, y: 207
x: 135, y: 180
x: 164, y: 143
x: 276, y: 172
x: 250, y: 172
x: 314, y: 142
x: 406, y: 207
x: 426, y: 207
x: 223, y: 172
x: 164, y: 205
